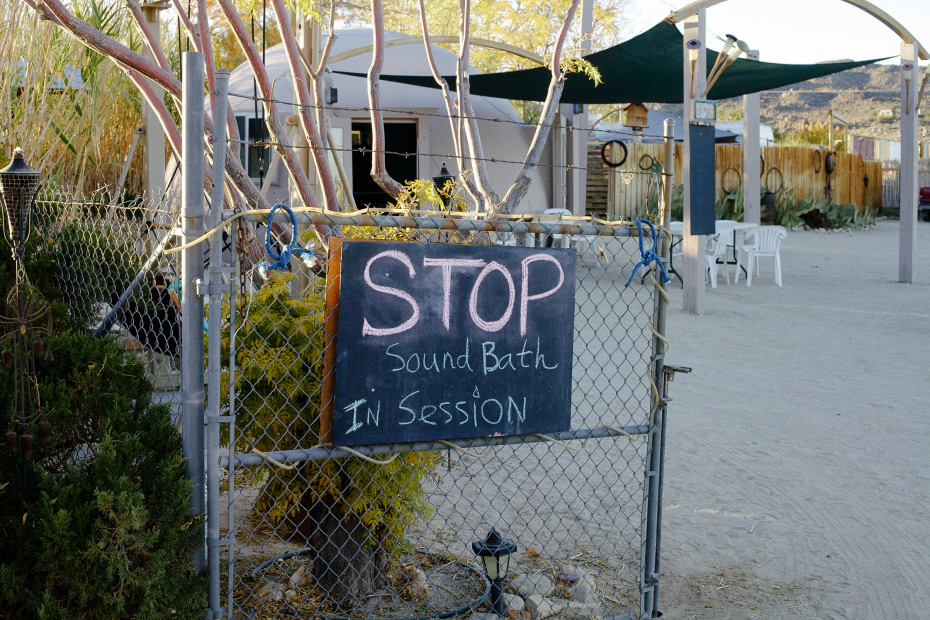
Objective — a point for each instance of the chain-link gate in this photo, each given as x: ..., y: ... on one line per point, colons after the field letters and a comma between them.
x: 301, y: 528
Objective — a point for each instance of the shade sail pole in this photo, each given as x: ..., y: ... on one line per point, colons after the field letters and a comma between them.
x: 695, y: 78
x: 910, y: 84
x: 752, y: 190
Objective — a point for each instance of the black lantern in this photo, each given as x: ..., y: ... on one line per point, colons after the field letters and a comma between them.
x: 494, y: 552
x: 441, y: 182
x: 18, y: 185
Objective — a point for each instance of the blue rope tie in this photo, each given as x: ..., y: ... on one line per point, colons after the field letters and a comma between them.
x: 283, y: 260
x: 648, y: 256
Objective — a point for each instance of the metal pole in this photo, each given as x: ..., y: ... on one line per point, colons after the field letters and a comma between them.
x: 910, y: 84
x: 654, y: 458
x: 752, y: 152
x: 669, y: 136
x: 231, y: 464
x: 695, y: 76
x: 214, y: 352
x: 192, y: 226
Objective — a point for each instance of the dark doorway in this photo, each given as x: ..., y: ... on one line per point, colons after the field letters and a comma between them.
x: 401, y: 160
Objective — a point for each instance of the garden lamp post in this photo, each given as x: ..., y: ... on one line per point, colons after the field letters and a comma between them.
x: 494, y: 552
x: 18, y: 186
x: 441, y: 182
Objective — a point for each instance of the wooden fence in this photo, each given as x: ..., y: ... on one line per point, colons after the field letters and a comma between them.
x: 622, y: 192
x: 891, y: 182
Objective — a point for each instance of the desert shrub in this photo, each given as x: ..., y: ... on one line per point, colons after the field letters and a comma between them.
x: 106, y: 531
x: 730, y: 207
x: 280, y: 369
x: 41, y: 272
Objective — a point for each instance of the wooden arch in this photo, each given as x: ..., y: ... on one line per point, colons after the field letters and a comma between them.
x: 896, y: 26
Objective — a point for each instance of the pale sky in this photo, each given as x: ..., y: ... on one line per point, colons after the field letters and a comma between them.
x: 799, y: 31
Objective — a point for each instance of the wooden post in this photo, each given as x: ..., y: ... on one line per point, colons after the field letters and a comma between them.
x: 668, y: 133
x: 910, y: 84
x: 557, y: 148
x: 752, y: 180
x: 154, y: 134
x: 578, y: 136
x: 692, y: 299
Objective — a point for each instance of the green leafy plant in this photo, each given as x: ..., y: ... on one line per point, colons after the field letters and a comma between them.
x: 279, y: 374
x: 730, y: 207
x: 677, y: 210
x: 106, y: 531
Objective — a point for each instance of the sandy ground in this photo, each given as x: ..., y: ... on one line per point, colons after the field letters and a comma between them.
x: 798, y: 468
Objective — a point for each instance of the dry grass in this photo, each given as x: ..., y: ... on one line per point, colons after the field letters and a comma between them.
x: 77, y: 135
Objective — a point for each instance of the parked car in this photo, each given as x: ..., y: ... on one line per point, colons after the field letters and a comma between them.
x: 924, y: 207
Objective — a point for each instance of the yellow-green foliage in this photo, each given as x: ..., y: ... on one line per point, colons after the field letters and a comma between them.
x: 279, y: 368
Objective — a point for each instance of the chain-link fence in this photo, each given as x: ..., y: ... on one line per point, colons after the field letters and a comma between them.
x: 385, y: 529
x: 298, y: 527
x: 106, y: 259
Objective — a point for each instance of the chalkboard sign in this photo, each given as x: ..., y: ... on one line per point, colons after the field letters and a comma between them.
x: 700, y: 219
x: 451, y: 341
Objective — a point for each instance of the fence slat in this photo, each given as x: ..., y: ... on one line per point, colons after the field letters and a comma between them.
x: 627, y: 186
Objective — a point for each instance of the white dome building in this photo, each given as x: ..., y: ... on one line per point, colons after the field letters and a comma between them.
x: 418, y: 138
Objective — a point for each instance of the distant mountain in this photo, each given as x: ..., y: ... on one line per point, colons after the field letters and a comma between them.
x: 869, y: 97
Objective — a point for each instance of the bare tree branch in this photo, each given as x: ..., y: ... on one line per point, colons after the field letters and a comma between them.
x: 378, y: 170
x: 43, y: 12
x: 308, y: 119
x: 96, y: 40
x: 449, y: 101
x: 148, y: 36
x: 192, y: 33
x: 518, y: 190
x: 272, y: 114
x: 138, y: 67
x: 470, y: 123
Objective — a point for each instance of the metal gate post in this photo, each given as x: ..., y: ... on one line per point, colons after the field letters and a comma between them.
x: 214, y: 348
x: 231, y: 466
x: 655, y: 455
x: 650, y: 576
x: 192, y: 214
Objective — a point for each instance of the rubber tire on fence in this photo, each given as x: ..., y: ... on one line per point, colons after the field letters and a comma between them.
x: 781, y: 178
x: 830, y: 163
x: 818, y: 162
x: 651, y: 160
x: 739, y: 180
x: 606, y: 160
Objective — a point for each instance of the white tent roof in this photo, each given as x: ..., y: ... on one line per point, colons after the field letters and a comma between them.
x: 353, y: 93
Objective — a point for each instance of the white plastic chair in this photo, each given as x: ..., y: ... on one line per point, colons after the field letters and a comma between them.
x: 717, y: 246
x: 726, y: 227
x: 763, y: 241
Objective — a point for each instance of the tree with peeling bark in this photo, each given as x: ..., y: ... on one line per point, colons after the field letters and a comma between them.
x: 308, y: 86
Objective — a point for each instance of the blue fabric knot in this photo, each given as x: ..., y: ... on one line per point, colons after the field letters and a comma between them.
x: 648, y: 256
x: 283, y: 260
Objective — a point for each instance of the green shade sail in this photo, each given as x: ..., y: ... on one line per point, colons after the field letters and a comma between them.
x: 646, y: 68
